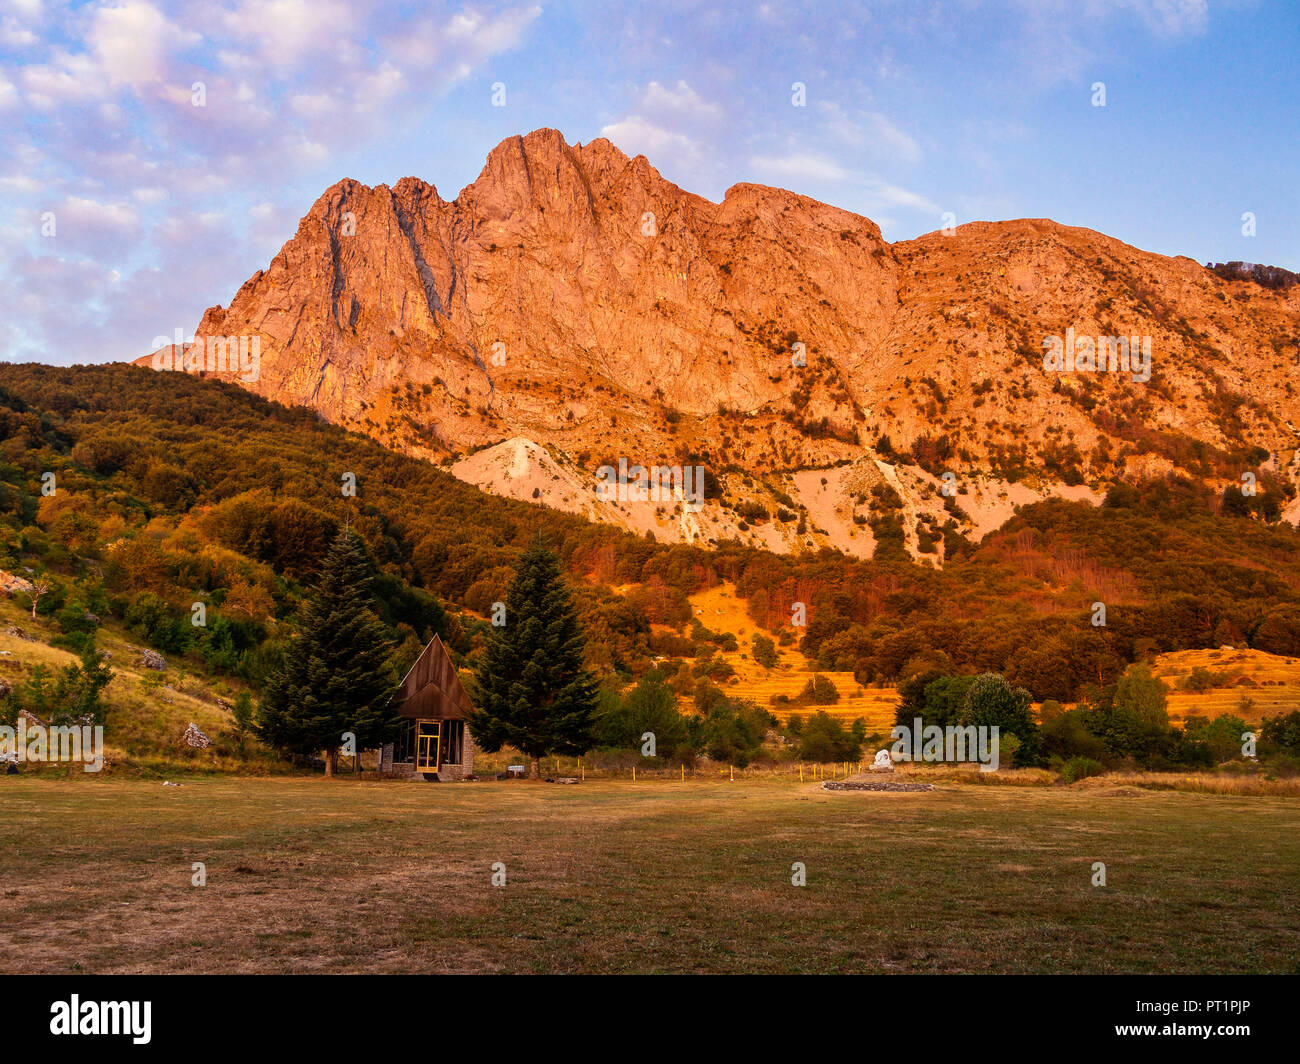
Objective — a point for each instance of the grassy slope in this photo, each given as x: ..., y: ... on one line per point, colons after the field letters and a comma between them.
x: 307, y: 875
x: 1272, y: 681
x: 147, y: 711
x: 720, y: 610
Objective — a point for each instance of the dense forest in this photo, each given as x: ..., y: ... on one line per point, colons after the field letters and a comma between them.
x: 138, y: 495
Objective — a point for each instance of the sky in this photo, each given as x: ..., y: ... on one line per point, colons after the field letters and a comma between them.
x: 155, y: 154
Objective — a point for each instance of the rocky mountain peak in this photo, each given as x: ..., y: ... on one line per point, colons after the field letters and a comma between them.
x: 572, y: 297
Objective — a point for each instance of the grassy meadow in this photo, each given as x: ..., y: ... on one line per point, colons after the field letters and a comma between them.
x: 720, y: 610
x: 1271, y: 682
x: 309, y: 875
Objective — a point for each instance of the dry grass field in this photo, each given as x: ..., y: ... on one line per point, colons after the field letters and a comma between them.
x: 1271, y: 682
x: 720, y: 610
x: 610, y: 876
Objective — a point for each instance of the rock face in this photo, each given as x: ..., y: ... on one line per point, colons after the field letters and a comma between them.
x: 11, y: 585
x: 575, y: 300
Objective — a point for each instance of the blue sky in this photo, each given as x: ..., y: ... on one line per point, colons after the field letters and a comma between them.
x: 161, y: 208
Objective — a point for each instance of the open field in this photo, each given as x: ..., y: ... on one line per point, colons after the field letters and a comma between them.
x: 319, y: 876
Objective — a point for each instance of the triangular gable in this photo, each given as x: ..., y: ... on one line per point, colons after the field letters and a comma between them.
x: 431, y: 688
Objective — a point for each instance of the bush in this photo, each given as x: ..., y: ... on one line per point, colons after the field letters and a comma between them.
x: 651, y: 706
x: 730, y: 731
x: 1008, y: 746
x: 1080, y: 768
x: 75, y: 697
x: 819, y: 691
x: 823, y: 738
x: 1283, y: 732
x: 1066, y: 736
x: 244, y: 713
x: 1223, y: 736
x: 765, y: 651
x: 1203, y: 679
x: 152, y: 617
x: 707, y: 696
x: 992, y: 702
x: 714, y: 668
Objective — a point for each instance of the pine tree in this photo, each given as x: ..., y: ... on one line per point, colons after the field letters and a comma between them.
x: 335, y: 677
x: 531, y: 687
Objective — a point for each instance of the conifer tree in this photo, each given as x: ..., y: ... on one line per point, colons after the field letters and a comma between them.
x: 531, y: 688
x: 335, y: 677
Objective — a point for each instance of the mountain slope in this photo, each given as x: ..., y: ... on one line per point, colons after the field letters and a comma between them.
x: 574, y: 298
x: 173, y: 491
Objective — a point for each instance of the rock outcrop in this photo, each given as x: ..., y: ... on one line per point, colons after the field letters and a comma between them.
x: 575, y: 300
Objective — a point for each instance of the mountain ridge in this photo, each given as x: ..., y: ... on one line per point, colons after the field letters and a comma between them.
x: 572, y: 296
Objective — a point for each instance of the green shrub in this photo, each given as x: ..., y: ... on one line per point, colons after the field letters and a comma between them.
x: 1080, y: 768
x: 823, y: 738
x: 765, y: 651
x: 819, y: 691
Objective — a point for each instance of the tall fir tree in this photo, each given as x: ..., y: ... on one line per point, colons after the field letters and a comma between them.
x: 335, y: 677
x: 531, y: 687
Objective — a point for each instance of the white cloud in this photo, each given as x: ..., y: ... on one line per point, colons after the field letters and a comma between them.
x: 887, y: 195
x: 870, y: 131
x: 383, y: 84
x: 69, y: 79
x: 134, y: 40
x: 668, y: 125
x: 637, y: 136
x: 451, y: 48
x: 13, y: 35
x: 683, y: 101
x: 1174, y: 16
x: 80, y: 213
x: 191, y: 230
x: 313, y: 105
x: 20, y: 185
x: 488, y: 36
x: 1060, y: 39
x: 874, y: 194
x: 799, y: 167
x: 291, y: 32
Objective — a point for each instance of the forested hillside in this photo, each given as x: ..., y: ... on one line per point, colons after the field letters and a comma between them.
x: 139, y: 494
